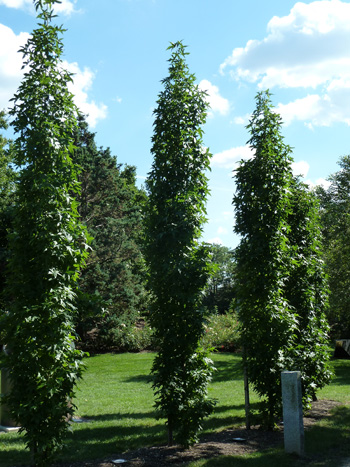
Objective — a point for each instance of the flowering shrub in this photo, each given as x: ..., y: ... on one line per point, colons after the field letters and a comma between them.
x: 222, y: 332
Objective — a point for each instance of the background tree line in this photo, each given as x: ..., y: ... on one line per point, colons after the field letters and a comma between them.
x: 113, y: 293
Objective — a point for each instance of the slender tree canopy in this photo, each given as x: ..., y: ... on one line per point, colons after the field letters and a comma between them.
x: 306, y: 291
x: 281, y: 289
x: 262, y: 206
x: 178, y: 264
x: 48, y: 246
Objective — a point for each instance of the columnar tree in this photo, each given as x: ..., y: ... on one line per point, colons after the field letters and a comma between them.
x: 307, y: 292
x: 263, y: 205
x: 178, y: 264
x: 48, y: 246
x: 281, y: 287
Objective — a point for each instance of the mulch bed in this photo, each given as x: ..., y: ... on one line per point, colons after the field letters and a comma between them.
x: 212, y: 445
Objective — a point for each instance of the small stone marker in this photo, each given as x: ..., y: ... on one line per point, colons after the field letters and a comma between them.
x: 292, y: 412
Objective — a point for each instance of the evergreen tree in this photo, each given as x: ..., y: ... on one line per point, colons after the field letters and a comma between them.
x: 178, y: 265
x: 111, y: 287
x: 48, y: 246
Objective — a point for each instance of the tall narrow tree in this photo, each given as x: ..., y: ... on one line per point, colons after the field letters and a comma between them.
x: 307, y: 293
x: 281, y: 290
x: 262, y: 204
x: 48, y: 245
x: 178, y: 265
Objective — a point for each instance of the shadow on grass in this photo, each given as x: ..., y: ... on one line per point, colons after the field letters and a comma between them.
x: 341, y: 372
x: 217, y: 421
x: 144, y: 379
x: 231, y: 370
x: 120, y: 416
x: 92, y: 442
x: 329, y: 441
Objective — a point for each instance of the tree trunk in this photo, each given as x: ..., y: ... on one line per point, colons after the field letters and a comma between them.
x: 170, y: 433
x: 246, y: 397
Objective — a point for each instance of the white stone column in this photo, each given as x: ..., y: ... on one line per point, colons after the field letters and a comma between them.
x: 292, y: 412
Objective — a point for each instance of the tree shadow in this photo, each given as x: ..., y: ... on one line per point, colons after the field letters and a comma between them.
x: 341, y: 372
x: 119, y: 416
x: 145, y: 379
x: 88, y: 441
x: 231, y: 370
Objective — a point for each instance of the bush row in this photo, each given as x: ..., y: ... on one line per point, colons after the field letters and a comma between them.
x: 221, y: 333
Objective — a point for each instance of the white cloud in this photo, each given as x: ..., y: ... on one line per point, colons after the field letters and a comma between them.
x: 216, y: 240
x: 320, y: 110
x: 307, y: 49
x: 11, y: 75
x: 304, y: 49
x: 300, y: 168
x: 216, y: 101
x: 229, y: 157
x: 66, y: 7
x: 222, y: 231
x: 320, y: 181
x: 241, y: 120
x: 10, y: 63
x: 82, y: 83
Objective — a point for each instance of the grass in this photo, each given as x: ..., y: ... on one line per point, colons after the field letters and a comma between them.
x: 116, y: 399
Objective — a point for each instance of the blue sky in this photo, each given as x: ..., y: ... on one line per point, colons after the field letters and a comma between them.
x: 117, y: 50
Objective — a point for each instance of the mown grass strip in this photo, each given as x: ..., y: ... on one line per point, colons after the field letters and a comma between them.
x: 116, y: 400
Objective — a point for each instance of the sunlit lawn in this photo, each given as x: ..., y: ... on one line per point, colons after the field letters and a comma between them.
x: 116, y: 399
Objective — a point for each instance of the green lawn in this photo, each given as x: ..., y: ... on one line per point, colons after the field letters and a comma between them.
x: 116, y: 399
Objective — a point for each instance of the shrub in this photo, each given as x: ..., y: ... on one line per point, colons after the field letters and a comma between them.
x: 222, y: 332
x: 127, y: 336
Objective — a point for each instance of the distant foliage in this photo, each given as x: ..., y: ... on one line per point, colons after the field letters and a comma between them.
x: 178, y: 264
x: 8, y: 178
x: 222, y: 332
x: 219, y: 292
x: 335, y: 215
x: 48, y: 247
x: 111, y: 288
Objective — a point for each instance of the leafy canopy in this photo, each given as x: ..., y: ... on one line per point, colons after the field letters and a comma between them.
x: 48, y: 246
x: 178, y: 265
